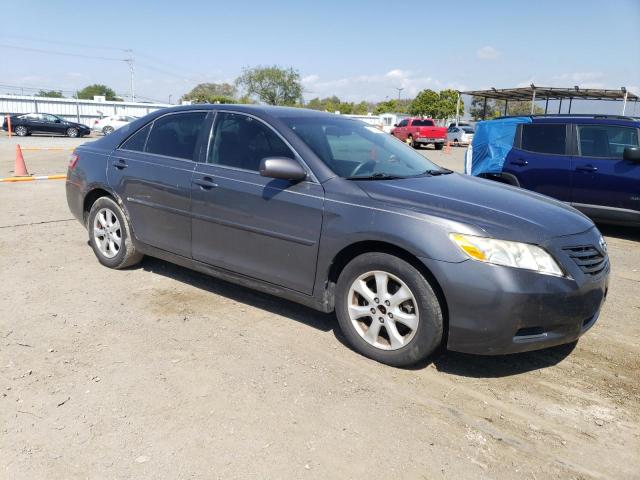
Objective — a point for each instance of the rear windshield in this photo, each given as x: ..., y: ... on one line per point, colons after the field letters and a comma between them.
x: 422, y: 123
x: 468, y: 130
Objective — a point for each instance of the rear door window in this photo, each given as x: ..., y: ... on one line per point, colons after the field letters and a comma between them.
x: 137, y: 141
x: 544, y: 138
x: 176, y: 135
x: 606, y: 140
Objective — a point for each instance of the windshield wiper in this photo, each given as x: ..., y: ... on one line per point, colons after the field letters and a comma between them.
x: 376, y: 176
x: 440, y: 171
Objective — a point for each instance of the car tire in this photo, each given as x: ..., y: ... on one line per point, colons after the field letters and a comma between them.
x: 411, y: 142
x: 392, y: 341
x: 110, y: 235
x: 72, y: 132
x: 107, y: 130
x: 21, y: 131
x: 438, y: 146
x: 456, y: 143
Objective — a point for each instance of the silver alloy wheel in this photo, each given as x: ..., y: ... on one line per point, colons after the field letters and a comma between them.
x: 72, y: 132
x: 383, y: 310
x: 107, y: 130
x: 107, y: 233
x: 20, y: 131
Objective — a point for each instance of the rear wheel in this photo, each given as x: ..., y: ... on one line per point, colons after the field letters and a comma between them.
x: 412, y: 142
x: 438, y: 146
x: 20, y: 130
x: 110, y: 235
x: 72, y: 132
x: 387, y: 310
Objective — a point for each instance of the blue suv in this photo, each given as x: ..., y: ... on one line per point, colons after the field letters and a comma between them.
x: 589, y: 161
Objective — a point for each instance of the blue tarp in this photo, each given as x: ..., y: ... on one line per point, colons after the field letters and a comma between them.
x: 491, y: 143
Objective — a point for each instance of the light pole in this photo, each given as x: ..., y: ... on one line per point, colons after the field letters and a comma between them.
x: 129, y: 61
x: 399, y: 90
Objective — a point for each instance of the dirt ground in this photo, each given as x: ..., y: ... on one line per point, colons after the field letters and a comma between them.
x: 160, y: 372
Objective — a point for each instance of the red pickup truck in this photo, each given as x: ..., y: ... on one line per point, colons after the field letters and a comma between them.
x: 420, y: 131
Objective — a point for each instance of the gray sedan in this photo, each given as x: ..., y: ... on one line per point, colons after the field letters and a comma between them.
x: 334, y: 214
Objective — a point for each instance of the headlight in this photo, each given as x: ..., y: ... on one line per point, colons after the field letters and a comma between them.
x: 510, y: 254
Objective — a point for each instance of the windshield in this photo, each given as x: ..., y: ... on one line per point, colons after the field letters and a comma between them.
x: 353, y: 149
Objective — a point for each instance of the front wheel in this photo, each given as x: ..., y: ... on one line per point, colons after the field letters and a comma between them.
x: 387, y: 310
x: 438, y: 146
x: 21, y: 131
x: 107, y: 130
x: 72, y: 132
x: 110, y: 235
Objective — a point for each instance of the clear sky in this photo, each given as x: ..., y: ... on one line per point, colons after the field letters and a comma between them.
x: 358, y: 50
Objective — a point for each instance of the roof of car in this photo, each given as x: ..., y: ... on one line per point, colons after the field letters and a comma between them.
x: 279, y: 112
x: 579, y: 118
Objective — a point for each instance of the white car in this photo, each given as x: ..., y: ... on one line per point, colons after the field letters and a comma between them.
x: 460, y: 135
x: 107, y: 125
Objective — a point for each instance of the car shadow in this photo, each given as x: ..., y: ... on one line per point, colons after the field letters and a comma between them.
x: 624, y: 233
x: 465, y: 365
x: 238, y: 293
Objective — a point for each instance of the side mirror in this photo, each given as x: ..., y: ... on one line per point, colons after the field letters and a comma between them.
x: 632, y: 154
x: 282, y: 168
x: 57, y: 120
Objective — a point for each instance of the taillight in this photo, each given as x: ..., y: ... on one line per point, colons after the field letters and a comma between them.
x: 73, y: 160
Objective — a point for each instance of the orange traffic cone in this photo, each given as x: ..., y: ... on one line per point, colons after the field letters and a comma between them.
x: 20, y: 169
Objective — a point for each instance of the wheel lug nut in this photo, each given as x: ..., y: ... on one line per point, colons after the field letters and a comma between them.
x: 387, y: 303
x: 381, y: 320
x: 373, y: 310
x: 376, y: 300
x: 390, y: 315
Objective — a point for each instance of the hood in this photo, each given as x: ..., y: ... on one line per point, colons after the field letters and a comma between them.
x: 500, y: 210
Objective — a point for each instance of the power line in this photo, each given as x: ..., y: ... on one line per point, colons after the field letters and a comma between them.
x: 67, y: 54
x: 58, y: 42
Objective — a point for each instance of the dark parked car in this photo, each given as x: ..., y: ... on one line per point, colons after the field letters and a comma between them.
x: 334, y: 214
x: 591, y: 162
x: 30, y: 123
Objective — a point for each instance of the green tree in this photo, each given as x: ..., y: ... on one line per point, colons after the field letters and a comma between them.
x: 272, y: 85
x: 477, y: 108
x: 389, y: 106
x: 212, y: 93
x: 519, y: 107
x: 361, y: 108
x: 50, y: 94
x: 426, y: 104
x: 90, y: 91
x: 447, y: 103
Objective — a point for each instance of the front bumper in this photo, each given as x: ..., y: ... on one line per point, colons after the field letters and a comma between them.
x: 498, y: 310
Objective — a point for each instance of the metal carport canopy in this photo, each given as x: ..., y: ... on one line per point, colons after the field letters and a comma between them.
x: 554, y: 93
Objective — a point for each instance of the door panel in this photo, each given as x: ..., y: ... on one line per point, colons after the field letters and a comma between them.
x: 546, y: 174
x: 600, y: 175
x: 265, y: 228
x: 157, y: 194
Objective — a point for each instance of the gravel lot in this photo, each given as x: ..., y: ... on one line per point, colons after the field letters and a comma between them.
x: 160, y: 372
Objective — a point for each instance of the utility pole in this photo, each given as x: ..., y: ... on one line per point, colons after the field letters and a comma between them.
x: 170, y: 99
x: 399, y: 90
x: 130, y: 61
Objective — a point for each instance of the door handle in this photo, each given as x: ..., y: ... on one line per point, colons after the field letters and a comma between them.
x: 120, y: 164
x: 520, y: 162
x: 587, y: 168
x: 206, y: 183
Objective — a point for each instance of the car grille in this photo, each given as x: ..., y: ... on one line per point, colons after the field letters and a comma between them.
x: 590, y: 260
